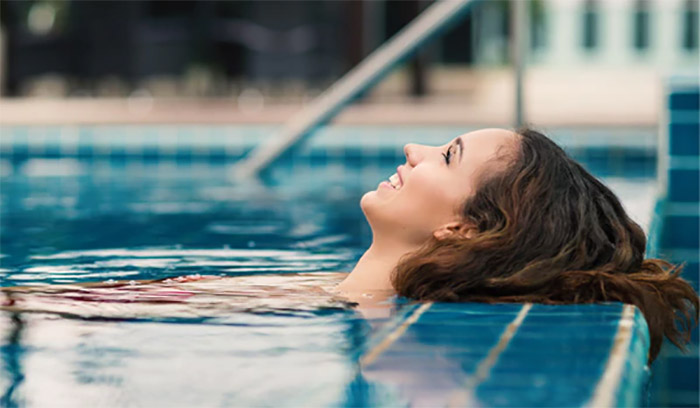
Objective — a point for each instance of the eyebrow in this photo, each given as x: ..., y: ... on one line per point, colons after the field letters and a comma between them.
x: 461, y: 147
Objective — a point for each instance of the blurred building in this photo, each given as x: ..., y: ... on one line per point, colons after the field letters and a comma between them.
x: 201, y: 48
x: 659, y: 33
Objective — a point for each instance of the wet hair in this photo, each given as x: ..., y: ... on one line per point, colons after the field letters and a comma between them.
x: 547, y: 231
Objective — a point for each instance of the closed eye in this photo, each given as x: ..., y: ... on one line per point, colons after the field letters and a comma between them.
x: 448, y: 155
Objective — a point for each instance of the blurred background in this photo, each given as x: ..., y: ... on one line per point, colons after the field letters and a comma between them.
x: 122, y: 116
x: 588, y: 61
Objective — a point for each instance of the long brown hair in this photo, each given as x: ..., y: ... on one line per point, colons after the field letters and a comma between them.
x: 547, y: 231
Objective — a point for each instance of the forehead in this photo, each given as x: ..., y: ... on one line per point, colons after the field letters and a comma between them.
x: 481, y: 145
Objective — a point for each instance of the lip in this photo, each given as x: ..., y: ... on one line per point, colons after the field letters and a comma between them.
x: 398, y: 172
x: 386, y: 184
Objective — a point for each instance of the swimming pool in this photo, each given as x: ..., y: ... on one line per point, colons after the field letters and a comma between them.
x: 120, y: 203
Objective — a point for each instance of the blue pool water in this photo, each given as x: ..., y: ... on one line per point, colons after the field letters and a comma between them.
x: 76, y: 210
x: 101, y: 221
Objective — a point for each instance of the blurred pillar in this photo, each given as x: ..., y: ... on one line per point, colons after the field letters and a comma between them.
x: 519, y: 42
x: 3, y: 61
x: 419, y: 64
x: 373, y: 24
x: 355, y: 39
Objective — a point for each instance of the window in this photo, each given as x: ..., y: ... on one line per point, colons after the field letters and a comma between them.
x: 591, y: 22
x: 690, y: 25
x: 538, y: 25
x: 641, y: 25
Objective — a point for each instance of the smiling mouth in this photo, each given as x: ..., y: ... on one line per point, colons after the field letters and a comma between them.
x: 395, y: 181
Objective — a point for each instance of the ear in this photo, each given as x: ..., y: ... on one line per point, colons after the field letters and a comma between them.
x: 454, y: 229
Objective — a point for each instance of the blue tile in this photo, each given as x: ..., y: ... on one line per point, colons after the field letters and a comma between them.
x: 684, y: 372
x: 463, y: 319
x: 643, y: 164
x: 684, y: 139
x: 454, y: 333
x: 683, y: 185
x: 684, y: 100
x: 318, y: 157
x: 52, y: 150
x: 571, y: 321
x: 476, y: 308
x: 614, y: 308
x: 683, y: 116
x: 419, y: 346
x: 691, y: 273
x: 544, y: 360
x: 557, y: 394
x: 150, y: 152
x: 428, y: 362
x: 684, y: 400
x: 588, y: 374
x: 406, y: 351
x: 603, y: 331
x: 183, y: 155
x: 218, y: 156
x: 118, y: 151
x: 591, y: 346
x: 681, y: 232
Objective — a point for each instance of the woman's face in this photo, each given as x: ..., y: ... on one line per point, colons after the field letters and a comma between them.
x: 430, y: 188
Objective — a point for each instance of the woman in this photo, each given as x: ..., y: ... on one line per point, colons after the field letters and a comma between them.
x: 501, y: 216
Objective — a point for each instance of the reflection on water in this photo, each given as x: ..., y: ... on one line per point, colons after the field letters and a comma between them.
x: 11, y: 351
x: 196, y: 340
x: 96, y: 312
x: 211, y: 298
x: 151, y: 284
x: 191, y: 210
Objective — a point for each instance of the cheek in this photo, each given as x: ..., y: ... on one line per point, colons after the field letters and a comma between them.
x: 414, y: 212
x: 430, y: 201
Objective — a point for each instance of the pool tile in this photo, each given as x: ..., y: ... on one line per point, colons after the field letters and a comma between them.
x: 684, y: 140
x: 689, y: 365
x: 563, y: 394
x: 684, y: 184
x: 684, y: 100
x: 681, y: 232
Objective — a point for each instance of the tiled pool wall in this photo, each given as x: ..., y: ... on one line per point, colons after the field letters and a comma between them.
x: 675, y: 234
x: 623, y: 152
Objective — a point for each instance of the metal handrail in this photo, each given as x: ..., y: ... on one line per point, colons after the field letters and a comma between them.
x: 427, y: 25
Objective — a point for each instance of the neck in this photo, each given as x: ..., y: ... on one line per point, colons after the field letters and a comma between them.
x: 373, y: 270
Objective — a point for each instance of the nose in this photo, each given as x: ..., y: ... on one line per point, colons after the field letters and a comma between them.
x: 412, y: 153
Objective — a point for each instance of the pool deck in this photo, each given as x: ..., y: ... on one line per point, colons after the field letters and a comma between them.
x: 553, y: 96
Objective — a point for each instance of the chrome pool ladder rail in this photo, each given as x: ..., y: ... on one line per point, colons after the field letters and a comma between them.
x: 373, y: 68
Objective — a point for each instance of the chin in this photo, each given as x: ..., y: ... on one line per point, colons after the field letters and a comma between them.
x: 371, y: 206
x: 376, y: 212
x: 367, y: 200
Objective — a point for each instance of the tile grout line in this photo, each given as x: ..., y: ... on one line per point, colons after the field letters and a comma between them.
x: 465, y: 397
x: 393, y: 336
x: 604, y: 392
